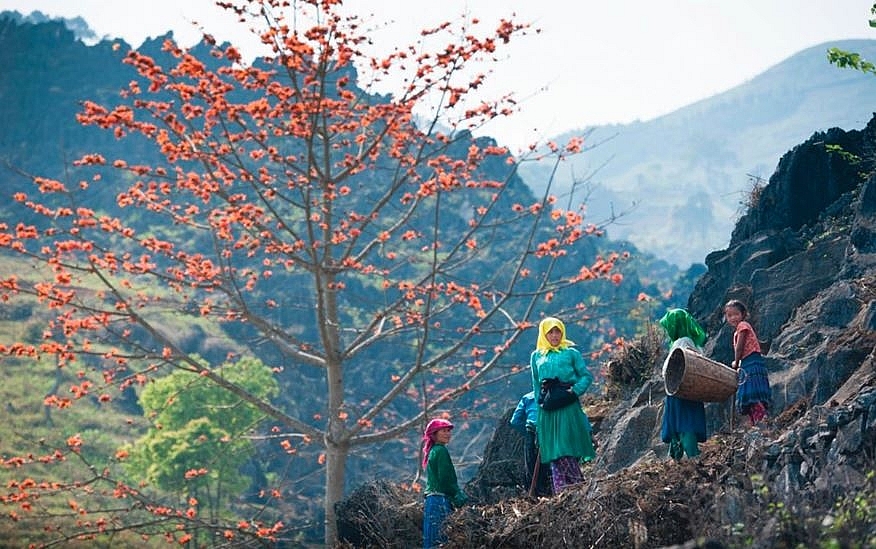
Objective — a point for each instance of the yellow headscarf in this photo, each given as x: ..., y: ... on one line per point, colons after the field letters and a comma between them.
x: 545, y: 326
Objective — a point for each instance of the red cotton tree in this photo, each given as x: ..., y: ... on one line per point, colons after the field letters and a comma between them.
x: 367, y: 256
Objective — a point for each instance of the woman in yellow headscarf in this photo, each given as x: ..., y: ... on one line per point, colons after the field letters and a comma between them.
x: 563, y: 433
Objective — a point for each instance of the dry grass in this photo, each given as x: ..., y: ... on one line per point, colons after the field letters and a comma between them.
x: 634, y: 363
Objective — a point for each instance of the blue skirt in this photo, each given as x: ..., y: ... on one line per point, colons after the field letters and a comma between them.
x: 435, y: 513
x: 683, y: 416
x: 755, y: 385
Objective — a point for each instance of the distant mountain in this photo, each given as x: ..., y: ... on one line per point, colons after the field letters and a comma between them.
x: 691, y: 172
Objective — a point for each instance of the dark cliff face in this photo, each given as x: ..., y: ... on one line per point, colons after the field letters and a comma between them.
x: 810, y: 230
x: 808, y: 182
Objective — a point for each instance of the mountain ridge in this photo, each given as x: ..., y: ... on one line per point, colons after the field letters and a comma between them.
x: 691, y: 171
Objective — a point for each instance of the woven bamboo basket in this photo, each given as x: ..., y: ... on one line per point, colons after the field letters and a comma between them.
x: 692, y: 376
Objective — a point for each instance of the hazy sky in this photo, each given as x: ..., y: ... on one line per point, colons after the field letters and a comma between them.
x: 594, y: 61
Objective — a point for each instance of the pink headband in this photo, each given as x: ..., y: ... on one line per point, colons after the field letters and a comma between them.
x: 429, y: 436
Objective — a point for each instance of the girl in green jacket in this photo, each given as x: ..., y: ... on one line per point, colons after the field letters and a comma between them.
x: 442, y: 490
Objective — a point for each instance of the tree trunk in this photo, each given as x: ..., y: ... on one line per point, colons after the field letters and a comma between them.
x: 337, y: 441
x: 335, y: 471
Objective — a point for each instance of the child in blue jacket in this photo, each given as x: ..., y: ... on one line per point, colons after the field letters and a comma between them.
x: 524, y: 420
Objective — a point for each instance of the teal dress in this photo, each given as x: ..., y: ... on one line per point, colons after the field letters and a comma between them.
x: 564, y: 432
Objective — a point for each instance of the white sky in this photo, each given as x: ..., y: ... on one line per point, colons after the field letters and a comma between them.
x: 594, y: 61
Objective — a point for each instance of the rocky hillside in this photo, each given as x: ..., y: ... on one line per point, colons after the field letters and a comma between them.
x: 804, y: 258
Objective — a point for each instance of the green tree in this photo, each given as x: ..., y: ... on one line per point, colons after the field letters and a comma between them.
x: 198, y: 440
x: 366, y: 248
x: 852, y: 60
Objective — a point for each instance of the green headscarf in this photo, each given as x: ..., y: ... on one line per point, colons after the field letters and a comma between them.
x: 679, y: 323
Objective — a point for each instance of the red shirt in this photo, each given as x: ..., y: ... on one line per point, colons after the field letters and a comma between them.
x: 750, y: 344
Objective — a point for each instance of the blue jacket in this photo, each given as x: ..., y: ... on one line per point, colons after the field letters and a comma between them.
x: 526, y: 413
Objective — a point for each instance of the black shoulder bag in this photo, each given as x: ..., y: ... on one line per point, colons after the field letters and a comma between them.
x: 555, y: 394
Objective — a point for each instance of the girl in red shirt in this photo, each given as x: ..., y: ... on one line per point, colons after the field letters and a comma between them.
x: 753, y: 395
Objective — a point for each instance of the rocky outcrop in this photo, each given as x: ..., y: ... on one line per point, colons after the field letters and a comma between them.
x: 809, y: 182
